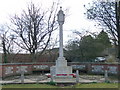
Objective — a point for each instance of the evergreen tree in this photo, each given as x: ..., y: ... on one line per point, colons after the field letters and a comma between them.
x: 88, y: 48
x: 103, y: 39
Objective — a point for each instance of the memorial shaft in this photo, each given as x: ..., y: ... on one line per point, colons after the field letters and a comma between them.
x: 61, y: 40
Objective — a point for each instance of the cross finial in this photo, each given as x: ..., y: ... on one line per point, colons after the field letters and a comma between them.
x: 60, y: 7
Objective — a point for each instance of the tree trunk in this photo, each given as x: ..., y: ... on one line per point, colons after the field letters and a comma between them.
x: 4, y: 51
x: 118, y: 26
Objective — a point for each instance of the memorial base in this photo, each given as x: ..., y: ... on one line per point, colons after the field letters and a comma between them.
x: 61, y: 69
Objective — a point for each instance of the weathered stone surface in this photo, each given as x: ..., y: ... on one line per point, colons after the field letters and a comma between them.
x: 61, y: 68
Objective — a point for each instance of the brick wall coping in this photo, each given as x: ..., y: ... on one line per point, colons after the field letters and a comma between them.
x: 54, y: 63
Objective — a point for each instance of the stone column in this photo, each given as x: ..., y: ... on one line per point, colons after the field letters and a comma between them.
x: 22, y: 75
x: 77, y: 76
x: 61, y: 40
x: 61, y: 19
x: 52, y: 77
x: 106, y: 76
x: 61, y: 69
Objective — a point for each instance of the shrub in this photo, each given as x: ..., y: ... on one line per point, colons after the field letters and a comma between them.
x: 51, y: 83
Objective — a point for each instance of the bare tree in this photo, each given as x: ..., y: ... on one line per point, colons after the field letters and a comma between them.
x: 7, y: 42
x: 5, y: 51
x: 104, y: 14
x: 33, y: 28
x: 117, y: 7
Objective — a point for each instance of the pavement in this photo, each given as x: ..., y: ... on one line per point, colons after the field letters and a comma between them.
x: 43, y: 79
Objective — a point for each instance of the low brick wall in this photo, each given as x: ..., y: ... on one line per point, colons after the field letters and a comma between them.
x: 100, y: 68
x: 15, y: 69
x: 94, y: 68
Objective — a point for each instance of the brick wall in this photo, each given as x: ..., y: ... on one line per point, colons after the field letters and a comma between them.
x: 14, y: 69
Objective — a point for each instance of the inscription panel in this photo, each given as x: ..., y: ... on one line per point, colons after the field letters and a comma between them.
x: 97, y: 68
x: 80, y: 67
x: 21, y: 68
x: 112, y: 69
x: 8, y: 70
x: 41, y: 66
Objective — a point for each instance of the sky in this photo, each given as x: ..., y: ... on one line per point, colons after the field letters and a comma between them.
x: 75, y: 21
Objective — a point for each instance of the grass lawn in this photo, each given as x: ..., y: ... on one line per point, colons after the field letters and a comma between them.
x: 91, y: 85
x: 29, y: 86
x: 96, y: 85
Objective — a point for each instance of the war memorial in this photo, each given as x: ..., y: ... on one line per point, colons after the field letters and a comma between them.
x: 60, y: 72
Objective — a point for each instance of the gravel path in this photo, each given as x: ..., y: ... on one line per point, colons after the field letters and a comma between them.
x: 43, y: 78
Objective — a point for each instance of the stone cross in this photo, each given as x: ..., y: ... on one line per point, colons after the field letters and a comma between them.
x: 61, y: 67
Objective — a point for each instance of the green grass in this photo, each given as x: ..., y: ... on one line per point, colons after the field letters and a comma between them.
x: 91, y: 85
x: 96, y: 85
x: 28, y: 86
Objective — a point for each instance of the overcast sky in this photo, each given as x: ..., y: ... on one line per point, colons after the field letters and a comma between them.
x: 75, y: 21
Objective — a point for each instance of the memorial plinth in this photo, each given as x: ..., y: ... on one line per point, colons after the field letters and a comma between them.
x: 61, y: 69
